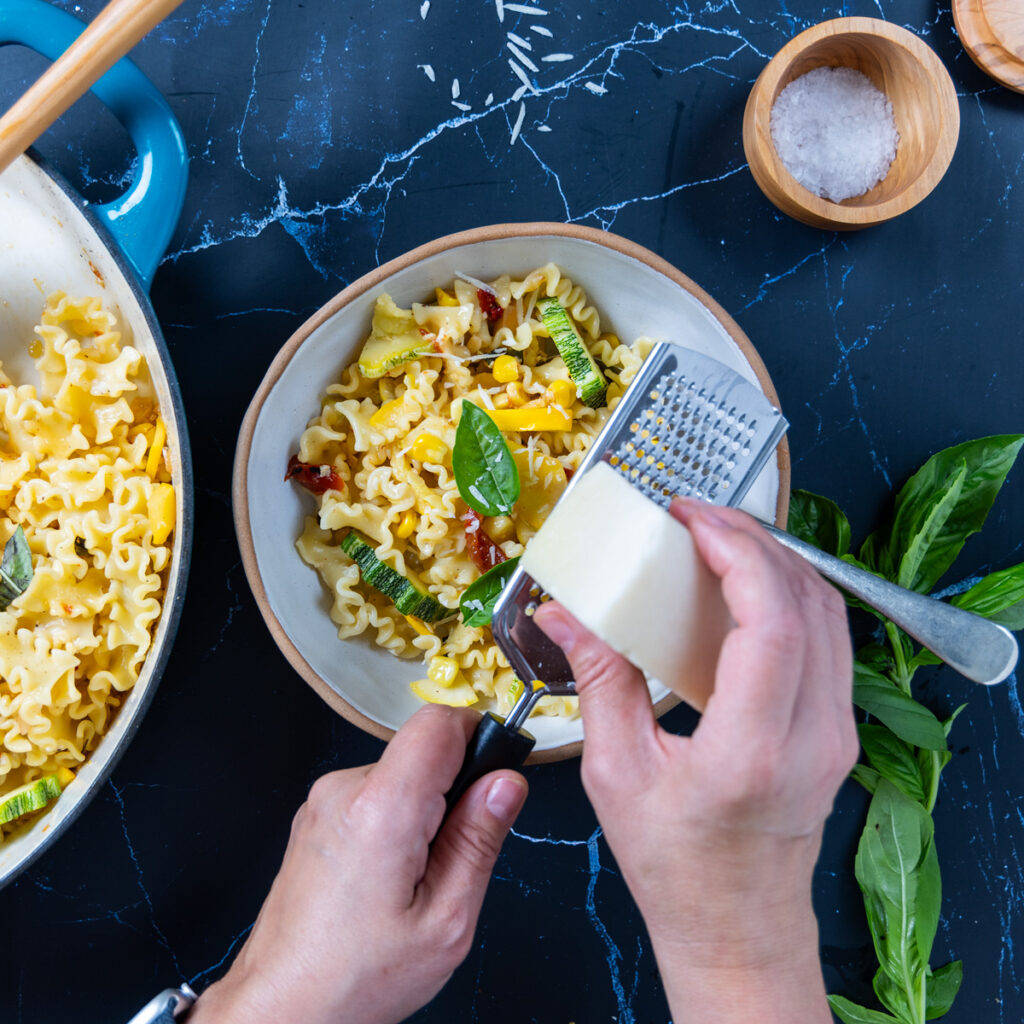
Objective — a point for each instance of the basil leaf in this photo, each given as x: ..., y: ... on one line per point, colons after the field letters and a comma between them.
x: 929, y: 897
x: 912, y: 722
x: 893, y: 759
x: 999, y: 597
x: 932, y: 516
x: 931, y: 763
x: 987, y: 461
x: 16, y: 569
x: 819, y: 521
x: 875, y: 656
x: 897, y: 883
x: 868, y: 777
x: 943, y: 986
x: 484, y: 469
x: 891, y: 996
x: 852, y: 1013
x: 478, y: 599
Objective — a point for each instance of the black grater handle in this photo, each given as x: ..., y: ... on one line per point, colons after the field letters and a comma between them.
x: 492, y: 746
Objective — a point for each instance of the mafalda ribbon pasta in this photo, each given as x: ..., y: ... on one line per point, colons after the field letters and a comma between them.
x: 87, y: 510
x: 439, y: 454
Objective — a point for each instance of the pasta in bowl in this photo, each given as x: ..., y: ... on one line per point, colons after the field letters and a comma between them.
x: 383, y: 457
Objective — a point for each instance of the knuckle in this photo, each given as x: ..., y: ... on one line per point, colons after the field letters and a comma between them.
x: 476, y: 844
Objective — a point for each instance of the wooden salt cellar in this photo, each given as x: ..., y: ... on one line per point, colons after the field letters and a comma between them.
x: 992, y: 33
x: 924, y: 106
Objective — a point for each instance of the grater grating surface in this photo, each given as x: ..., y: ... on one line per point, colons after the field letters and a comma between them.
x: 687, y: 425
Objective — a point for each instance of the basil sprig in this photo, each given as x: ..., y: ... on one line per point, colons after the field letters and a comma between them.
x: 485, y: 472
x: 906, y: 749
x: 478, y: 599
x: 15, y: 569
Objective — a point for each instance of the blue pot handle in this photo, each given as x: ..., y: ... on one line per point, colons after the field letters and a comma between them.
x: 143, y: 219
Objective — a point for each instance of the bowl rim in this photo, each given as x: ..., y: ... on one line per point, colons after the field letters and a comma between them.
x: 373, y: 279
x: 760, y: 104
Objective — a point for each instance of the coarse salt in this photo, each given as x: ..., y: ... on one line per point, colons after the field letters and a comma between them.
x: 835, y: 132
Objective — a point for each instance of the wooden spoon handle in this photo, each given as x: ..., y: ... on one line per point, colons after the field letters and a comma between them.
x: 114, y: 31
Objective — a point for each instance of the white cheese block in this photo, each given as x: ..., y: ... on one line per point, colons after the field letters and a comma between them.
x: 631, y: 574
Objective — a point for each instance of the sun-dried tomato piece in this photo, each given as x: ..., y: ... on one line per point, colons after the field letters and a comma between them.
x: 489, y: 306
x: 484, y: 552
x: 316, y: 479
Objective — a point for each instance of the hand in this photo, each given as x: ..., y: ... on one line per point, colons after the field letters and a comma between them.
x: 717, y: 834
x: 366, y: 919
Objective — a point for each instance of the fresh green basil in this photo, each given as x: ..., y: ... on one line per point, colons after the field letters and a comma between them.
x: 912, y: 722
x: 943, y: 986
x: 819, y: 521
x: 485, y: 472
x: 852, y: 1013
x: 891, y: 856
x: 933, y: 515
x: 987, y: 461
x: 892, y: 758
x: 478, y: 599
x: 998, y: 596
x: 897, y: 865
x: 15, y: 569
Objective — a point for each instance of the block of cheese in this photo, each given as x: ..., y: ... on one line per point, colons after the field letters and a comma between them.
x: 631, y: 574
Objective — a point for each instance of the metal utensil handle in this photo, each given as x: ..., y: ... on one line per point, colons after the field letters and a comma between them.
x: 980, y: 650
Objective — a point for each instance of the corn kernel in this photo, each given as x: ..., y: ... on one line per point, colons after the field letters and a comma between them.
x: 428, y: 448
x: 444, y: 299
x: 64, y: 776
x: 406, y: 524
x: 443, y: 671
x: 516, y: 393
x: 501, y: 401
x: 564, y: 393
x: 499, y: 528
x: 156, y: 448
x: 161, y: 512
x: 506, y: 369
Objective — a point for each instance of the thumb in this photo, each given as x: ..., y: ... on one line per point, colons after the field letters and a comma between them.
x: 614, y: 699
x: 468, y: 843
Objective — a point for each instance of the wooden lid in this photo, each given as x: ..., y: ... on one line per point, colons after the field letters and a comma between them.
x: 992, y: 33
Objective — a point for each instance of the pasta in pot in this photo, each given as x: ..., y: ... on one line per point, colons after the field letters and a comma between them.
x: 84, y: 476
x: 378, y: 457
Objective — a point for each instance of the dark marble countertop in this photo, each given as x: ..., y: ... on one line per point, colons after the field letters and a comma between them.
x: 326, y: 137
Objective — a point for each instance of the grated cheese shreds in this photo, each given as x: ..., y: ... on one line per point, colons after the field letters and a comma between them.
x: 482, y: 285
x: 455, y: 89
x: 541, y: 31
x: 461, y: 106
x: 424, y: 8
x: 525, y: 9
x: 519, y: 41
x: 427, y: 70
x: 557, y: 57
x: 597, y: 90
x: 501, y: 9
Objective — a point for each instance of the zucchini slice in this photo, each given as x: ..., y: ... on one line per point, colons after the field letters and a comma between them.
x: 573, y: 349
x: 33, y: 796
x: 406, y: 596
x: 394, y: 339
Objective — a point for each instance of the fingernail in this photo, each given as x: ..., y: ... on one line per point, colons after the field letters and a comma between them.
x: 505, y: 798
x: 559, y: 629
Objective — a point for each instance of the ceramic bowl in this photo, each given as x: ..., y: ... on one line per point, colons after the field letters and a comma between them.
x: 636, y: 293
x: 924, y: 107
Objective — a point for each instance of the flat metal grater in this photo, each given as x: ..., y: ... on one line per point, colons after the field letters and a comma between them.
x: 686, y: 425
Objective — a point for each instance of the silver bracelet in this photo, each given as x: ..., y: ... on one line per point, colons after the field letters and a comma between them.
x: 170, y: 1005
